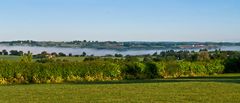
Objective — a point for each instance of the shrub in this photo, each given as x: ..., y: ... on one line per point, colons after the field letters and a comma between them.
x: 134, y: 70
x: 151, y: 70
x: 232, y: 65
x: 58, y: 72
x: 173, y: 69
x: 12, y: 72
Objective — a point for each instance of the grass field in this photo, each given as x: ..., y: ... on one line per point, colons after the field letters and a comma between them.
x: 217, y: 89
x: 71, y: 58
x: 16, y: 58
x: 9, y: 57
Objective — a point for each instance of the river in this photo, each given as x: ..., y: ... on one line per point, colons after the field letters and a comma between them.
x: 98, y: 52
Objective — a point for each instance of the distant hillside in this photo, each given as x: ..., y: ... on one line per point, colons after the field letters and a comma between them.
x: 121, y: 45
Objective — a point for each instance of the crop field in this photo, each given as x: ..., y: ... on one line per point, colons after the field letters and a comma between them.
x: 214, y: 89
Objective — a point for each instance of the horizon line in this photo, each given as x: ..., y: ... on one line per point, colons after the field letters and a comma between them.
x: 123, y: 41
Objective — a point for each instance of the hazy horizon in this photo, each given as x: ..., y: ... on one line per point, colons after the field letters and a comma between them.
x: 116, y: 41
x: 122, y: 20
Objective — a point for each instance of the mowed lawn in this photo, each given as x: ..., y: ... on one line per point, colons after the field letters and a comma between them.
x: 165, y: 92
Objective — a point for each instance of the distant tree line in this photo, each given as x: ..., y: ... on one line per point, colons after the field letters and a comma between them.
x: 230, y: 59
x: 120, y: 45
x: 12, y: 52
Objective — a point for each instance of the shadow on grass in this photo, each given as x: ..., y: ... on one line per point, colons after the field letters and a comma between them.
x: 211, y: 77
x: 228, y: 79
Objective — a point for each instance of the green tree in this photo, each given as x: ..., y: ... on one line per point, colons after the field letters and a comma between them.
x: 118, y: 55
x: 84, y: 54
x: 203, y: 56
x: 13, y: 52
x: 4, y: 52
x: 61, y: 54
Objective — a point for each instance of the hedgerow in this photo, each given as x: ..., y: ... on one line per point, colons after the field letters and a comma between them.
x: 14, y: 72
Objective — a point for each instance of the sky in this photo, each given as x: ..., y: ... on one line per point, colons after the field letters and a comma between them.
x: 120, y: 20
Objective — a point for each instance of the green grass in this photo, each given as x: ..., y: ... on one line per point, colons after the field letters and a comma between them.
x: 9, y: 57
x: 228, y: 75
x: 71, y: 58
x: 16, y: 58
x: 207, y: 90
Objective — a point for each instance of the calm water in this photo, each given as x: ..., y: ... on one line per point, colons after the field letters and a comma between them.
x: 96, y: 52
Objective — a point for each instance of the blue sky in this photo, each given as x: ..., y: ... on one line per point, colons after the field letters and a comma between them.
x: 120, y: 20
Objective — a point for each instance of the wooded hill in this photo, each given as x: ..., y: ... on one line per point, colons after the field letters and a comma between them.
x: 138, y: 45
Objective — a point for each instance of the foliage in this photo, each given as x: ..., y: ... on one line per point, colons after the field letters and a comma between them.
x: 134, y: 70
x: 58, y: 72
x: 151, y: 70
x: 26, y: 58
x: 232, y: 64
x: 168, y: 64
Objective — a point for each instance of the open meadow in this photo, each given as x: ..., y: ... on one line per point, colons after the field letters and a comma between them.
x: 9, y: 57
x: 213, y: 89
